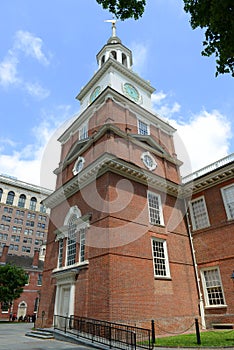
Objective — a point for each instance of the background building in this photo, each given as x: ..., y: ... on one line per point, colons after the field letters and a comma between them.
x: 23, y: 217
x: 211, y: 217
x: 26, y: 306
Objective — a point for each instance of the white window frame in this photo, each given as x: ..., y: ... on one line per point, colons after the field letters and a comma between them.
x: 83, y: 131
x: 205, y: 287
x: 158, y: 210
x: 164, y: 261
x: 71, y: 242
x: 60, y: 253
x: 194, y: 218
x: 229, y: 210
x: 139, y: 120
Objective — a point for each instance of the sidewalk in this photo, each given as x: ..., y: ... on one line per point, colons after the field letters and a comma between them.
x: 12, y: 337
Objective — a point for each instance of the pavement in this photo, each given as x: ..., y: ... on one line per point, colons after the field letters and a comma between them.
x: 12, y: 337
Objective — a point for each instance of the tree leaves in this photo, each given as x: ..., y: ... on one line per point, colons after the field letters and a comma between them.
x: 12, y: 281
x: 124, y: 9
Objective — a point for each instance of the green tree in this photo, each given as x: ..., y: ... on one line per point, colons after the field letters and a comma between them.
x: 215, y: 16
x: 12, y: 281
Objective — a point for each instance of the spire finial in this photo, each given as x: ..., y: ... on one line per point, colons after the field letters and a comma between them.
x: 113, y: 21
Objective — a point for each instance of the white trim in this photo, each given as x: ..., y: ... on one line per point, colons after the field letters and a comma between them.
x: 166, y: 260
x: 207, y: 302
x: 160, y: 208
x: 149, y: 155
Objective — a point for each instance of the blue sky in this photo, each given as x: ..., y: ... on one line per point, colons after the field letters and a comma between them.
x: 48, y: 52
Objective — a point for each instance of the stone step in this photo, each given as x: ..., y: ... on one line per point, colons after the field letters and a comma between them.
x: 40, y: 334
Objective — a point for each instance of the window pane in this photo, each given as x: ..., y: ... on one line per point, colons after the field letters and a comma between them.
x: 213, y: 287
x: 160, y: 258
x: 71, y: 242
x: 199, y: 214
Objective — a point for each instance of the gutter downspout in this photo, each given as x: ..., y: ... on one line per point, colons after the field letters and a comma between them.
x: 201, y: 302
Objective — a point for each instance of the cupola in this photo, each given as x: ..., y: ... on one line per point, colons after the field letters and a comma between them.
x: 115, y: 49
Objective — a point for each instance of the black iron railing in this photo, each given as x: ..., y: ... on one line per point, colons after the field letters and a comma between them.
x: 108, y: 333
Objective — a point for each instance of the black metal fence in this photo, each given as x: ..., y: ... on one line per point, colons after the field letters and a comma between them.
x: 108, y: 333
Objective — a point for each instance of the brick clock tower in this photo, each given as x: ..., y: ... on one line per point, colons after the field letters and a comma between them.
x: 118, y: 247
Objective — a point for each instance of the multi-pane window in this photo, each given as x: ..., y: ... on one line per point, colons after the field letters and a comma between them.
x: 21, y: 201
x: 60, y: 254
x: 82, y: 245
x: 14, y: 247
x: 42, y: 208
x: 199, y: 215
x: 31, y: 215
x: 212, y: 287
x: 10, y: 197
x: 71, y: 241
x: 29, y: 223
x: 28, y: 231
x: 6, y: 218
x: 15, y: 238
x: 39, y: 279
x: 33, y: 203
x: 143, y: 128
x: 18, y: 221
x: 160, y: 258
x: 27, y: 240
x: 8, y: 210
x: 155, y: 208
x: 19, y: 212
x: 4, y: 236
x: 26, y: 249
x: 36, y: 304
x: 4, y: 227
x: 83, y: 132
x: 228, y: 199
x: 1, y: 192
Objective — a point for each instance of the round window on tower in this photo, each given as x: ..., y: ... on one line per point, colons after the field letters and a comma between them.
x: 78, y: 166
x: 149, y: 161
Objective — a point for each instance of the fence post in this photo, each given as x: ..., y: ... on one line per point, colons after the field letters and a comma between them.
x: 197, y: 332
x: 153, y: 331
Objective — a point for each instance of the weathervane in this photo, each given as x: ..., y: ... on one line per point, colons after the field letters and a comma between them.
x: 113, y: 21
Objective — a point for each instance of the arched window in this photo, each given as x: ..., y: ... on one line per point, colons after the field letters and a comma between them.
x: 103, y: 60
x: 33, y: 202
x: 1, y: 192
x: 71, y: 241
x: 42, y: 208
x: 21, y: 202
x: 113, y: 54
x: 124, y: 59
x: 10, y: 197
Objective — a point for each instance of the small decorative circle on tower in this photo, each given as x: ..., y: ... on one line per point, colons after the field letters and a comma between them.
x: 149, y: 161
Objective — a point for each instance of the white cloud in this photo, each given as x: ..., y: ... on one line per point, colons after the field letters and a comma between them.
x: 34, y: 163
x: 36, y: 90
x: 10, y: 72
x: 31, y: 46
x: 206, y: 139
x: 140, y: 54
x: 199, y: 141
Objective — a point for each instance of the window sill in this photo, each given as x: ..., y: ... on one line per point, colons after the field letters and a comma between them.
x: 164, y: 278
x: 78, y: 265
x: 215, y: 307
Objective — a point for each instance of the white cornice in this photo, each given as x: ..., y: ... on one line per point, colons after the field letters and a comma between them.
x: 103, y: 164
x: 209, y: 180
x: 24, y: 185
x: 122, y: 101
x: 153, y: 147
x: 109, y: 65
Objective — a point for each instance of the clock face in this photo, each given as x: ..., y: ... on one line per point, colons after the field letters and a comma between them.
x: 95, y: 93
x: 132, y: 92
